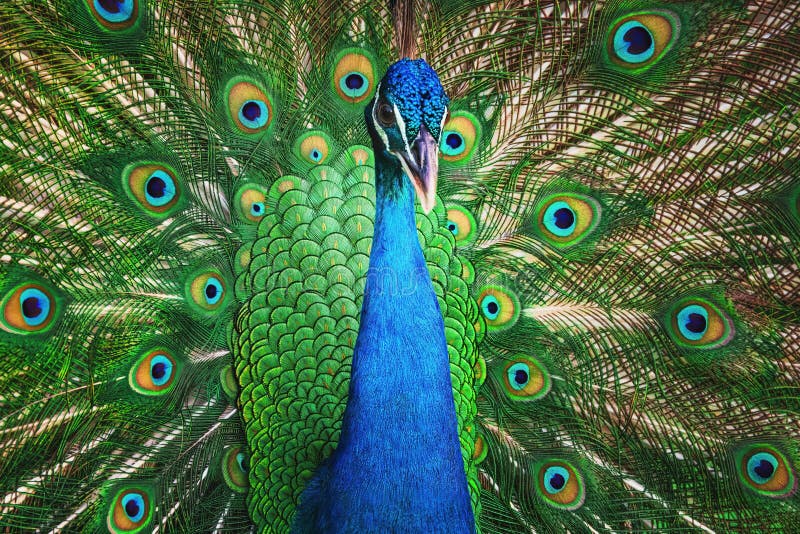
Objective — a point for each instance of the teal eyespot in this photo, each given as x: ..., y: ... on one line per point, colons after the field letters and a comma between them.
x: 699, y: 323
x: 35, y: 306
x: 234, y: 469
x: 693, y: 322
x: 560, y: 219
x: 561, y: 485
x: 115, y: 11
x: 639, y: 40
x: 460, y: 137
x: 153, y: 186
x: 564, y: 220
x: 491, y: 307
x: 766, y: 470
x: 213, y: 291
x: 159, y: 188
x: 353, y: 85
x: 133, y: 504
x: 28, y: 308
x: 499, y: 306
x: 555, y: 479
x: 254, y: 114
x: 154, y: 373
x: 130, y: 511
x: 248, y: 106
x: 633, y: 42
x: 761, y: 467
x: 115, y: 14
x: 452, y: 144
x: 525, y: 379
x: 251, y: 200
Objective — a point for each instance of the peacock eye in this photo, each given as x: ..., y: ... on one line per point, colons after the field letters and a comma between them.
x: 130, y: 511
x: 115, y: 14
x: 28, y: 308
x: 385, y: 114
x: 154, y: 373
x: 561, y: 485
x: 699, y: 323
x: 766, y: 470
x: 526, y: 379
x: 154, y: 187
x: 638, y: 40
x: 235, y: 465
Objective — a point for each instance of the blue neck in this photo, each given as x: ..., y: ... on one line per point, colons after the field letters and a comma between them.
x: 398, y: 465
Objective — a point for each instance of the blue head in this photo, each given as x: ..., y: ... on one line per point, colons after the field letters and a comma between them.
x: 405, y: 120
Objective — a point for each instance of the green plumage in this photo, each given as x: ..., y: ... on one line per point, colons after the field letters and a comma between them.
x: 187, y: 204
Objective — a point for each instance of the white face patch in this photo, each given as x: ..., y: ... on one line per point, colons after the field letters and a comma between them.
x: 402, y: 125
x: 378, y: 127
x: 444, y: 119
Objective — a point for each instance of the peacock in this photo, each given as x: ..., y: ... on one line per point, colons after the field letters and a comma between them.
x: 456, y: 266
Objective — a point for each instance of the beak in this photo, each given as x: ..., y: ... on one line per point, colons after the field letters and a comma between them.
x: 421, y: 164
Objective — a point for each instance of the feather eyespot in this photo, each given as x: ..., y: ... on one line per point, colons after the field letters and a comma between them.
x: 313, y: 147
x: 524, y: 378
x: 499, y: 306
x: 565, y: 220
x: 208, y: 291
x: 154, y: 373
x: 699, y: 323
x: 638, y: 40
x: 461, y: 224
x: 766, y: 470
x: 131, y: 511
x: 153, y: 186
x: 354, y: 76
x: 251, y: 201
x: 561, y: 485
x: 29, y: 308
x: 249, y: 107
x: 114, y: 14
x: 234, y: 469
x: 460, y: 136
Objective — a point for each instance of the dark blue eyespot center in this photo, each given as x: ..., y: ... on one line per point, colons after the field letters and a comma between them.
x: 251, y: 110
x: 133, y: 504
x: 557, y: 481
x: 564, y: 218
x: 156, y: 187
x: 159, y: 189
x: 211, y: 291
x: 132, y: 508
x: 354, y: 81
x: 492, y: 307
x: 454, y: 140
x: 316, y: 155
x: 158, y: 370
x: 520, y: 376
x: 112, y: 6
x: 764, y: 469
x: 696, y: 323
x: 35, y: 306
x: 639, y: 40
x: 692, y: 322
x: 31, y: 307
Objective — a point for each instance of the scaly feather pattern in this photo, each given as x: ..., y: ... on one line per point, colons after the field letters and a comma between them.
x: 188, y: 196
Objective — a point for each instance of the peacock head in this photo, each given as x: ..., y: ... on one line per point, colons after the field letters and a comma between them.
x: 405, y: 120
